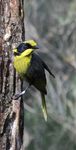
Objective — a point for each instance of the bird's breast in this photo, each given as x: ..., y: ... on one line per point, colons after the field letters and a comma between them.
x: 22, y: 64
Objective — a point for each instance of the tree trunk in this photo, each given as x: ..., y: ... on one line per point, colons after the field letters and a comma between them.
x: 11, y: 111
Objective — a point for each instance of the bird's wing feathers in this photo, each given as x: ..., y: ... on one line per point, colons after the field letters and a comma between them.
x: 36, y: 74
x: 46, y: 67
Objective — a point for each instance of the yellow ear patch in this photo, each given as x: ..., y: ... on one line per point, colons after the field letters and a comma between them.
x: 15, y: 50
x: 26, y: 52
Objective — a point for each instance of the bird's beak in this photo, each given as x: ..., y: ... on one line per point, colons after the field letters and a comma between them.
x: 36, y: 47
x: 15, y: 50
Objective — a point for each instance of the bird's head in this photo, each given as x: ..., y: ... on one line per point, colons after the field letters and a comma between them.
x: 26, y: 48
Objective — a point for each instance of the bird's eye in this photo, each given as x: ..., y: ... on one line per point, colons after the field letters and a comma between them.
x: 28, y: 45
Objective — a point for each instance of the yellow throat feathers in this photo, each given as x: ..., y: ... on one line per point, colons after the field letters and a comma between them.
x: 22, y: 62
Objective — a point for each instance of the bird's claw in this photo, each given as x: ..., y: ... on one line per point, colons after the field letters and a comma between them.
x: 16, y: 96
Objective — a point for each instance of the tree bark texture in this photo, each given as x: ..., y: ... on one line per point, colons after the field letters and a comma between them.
x: 11, y: 111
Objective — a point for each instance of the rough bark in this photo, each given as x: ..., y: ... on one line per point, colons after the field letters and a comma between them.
x: 11, y: 111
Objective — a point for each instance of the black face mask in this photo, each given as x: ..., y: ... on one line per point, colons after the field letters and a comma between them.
x: 23, y: 46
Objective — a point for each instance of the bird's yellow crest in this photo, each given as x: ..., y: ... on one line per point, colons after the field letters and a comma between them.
x: 31, y: 42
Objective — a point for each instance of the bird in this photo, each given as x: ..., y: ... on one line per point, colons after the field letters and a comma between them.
x: 31, y: 68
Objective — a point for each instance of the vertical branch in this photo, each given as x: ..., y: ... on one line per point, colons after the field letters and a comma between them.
x: 11, y: 111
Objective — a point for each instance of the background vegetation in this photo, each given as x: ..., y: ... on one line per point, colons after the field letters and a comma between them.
x: 53, y: 24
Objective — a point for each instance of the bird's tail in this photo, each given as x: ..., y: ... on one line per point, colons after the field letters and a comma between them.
x: 44, y: 108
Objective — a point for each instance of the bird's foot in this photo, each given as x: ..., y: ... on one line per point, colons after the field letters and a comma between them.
x: 16, y: 96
